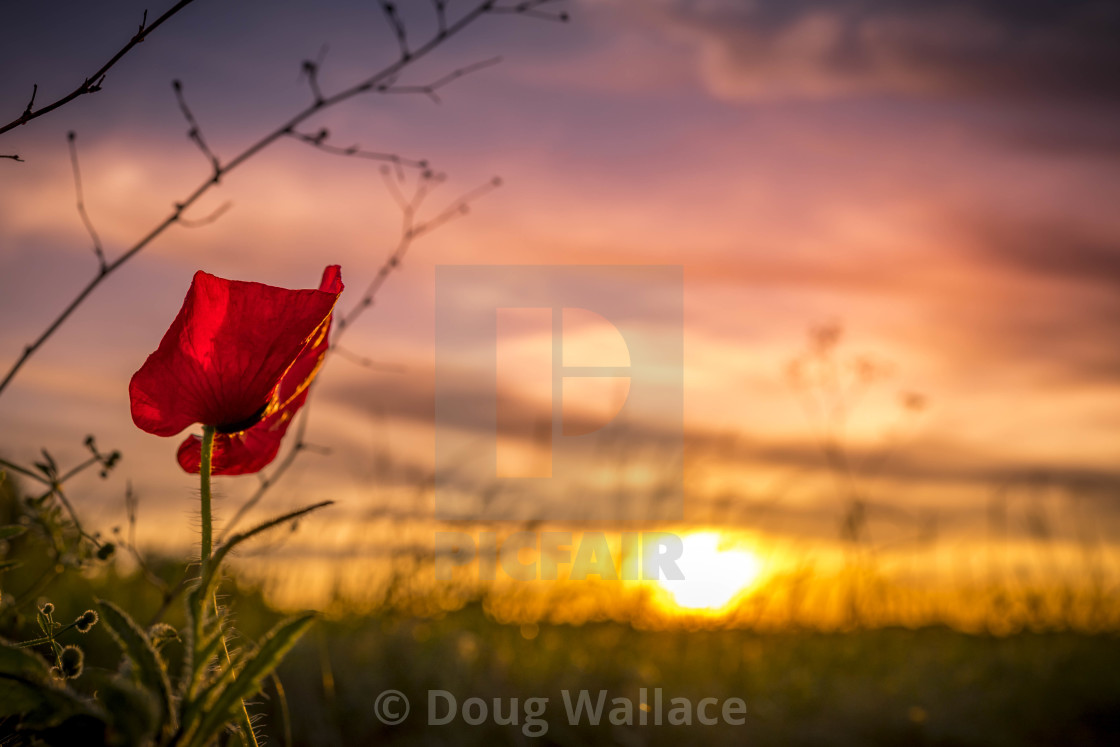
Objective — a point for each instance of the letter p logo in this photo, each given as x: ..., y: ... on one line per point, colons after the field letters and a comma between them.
x: 559, y: 392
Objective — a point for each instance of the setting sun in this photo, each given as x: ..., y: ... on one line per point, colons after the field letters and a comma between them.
x: 714, y: 576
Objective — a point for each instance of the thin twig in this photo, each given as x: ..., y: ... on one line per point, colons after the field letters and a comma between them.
x: 318, y: 140
x: 529, y: 9
x: 93, y: 82
x: 410, y: 231
x: 430, y: 89
x: 97, y: 250
x: 132, y: 505
x: 57, y: 490
x: 394, y: 190
x: 31, y: 104
x: 388, y: 73
x: 12, y: 156
x: 369, y: 363
x: 207, y: 220
x: 441, y: 16
x: 80, y: 468
x: 195, y: 132
x: 312, y: 71
x: 398, y: 27
x: 24, y: 471
x: 311, y: 68
x: 53, y: 482
x: 278, y: 471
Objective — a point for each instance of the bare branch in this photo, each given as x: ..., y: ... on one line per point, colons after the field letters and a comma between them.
x: 441, y: 16
x: 13, y: 156
x: 311, y: 68
x: 398, y: 27
x: 107, y: 461
x: 394, y: 190
x: 530, y: 10
x: 132, y: 505
x: 312, y: 72
x: 4, y: 463
x: 277, y: 472
x: 410, y: 231
x: 31, y: 103
x: 380, y: 79
x: 364, y: 362
x: 93, y: 82
x: 430, y: 89
x: 207, y: 220
x: 318, y: 140
x: 457, y: 209
x: 97, y: 250
x: 195, y: 132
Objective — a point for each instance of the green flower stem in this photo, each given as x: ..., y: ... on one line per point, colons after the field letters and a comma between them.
x: 248, y: 737
x: 47, y: 638
x: 204, y: 475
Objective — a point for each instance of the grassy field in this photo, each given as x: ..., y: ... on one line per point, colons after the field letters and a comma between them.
x: 883, y: 687
x: 867, y: 686
x: 929, y: 686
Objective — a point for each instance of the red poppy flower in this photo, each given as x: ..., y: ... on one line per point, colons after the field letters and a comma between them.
x: 239, y: 356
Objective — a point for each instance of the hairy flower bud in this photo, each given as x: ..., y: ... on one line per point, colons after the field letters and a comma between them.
x: 161, y: 633
x: 71, y: 661
x: 86, y: 621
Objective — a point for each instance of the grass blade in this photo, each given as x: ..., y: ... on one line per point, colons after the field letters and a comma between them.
x: 241, y: 682
x: 147, y: 665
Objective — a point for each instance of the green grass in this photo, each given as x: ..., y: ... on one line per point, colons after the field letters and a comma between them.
x: 931, y: 686
x: 887, y: 686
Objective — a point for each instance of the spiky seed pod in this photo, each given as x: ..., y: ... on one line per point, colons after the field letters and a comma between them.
x: 87, y: 620
x: 71, y: 661
x: 161, y: 633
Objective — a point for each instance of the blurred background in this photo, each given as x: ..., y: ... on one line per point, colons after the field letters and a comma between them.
x: 902, y: 385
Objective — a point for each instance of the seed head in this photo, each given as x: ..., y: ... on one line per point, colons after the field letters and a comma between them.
x: 71, y: 661
x: 87, y: 620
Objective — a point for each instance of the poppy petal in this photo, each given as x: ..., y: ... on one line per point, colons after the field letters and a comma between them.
x: 223, y: 356
x: 242, y: 453
x: 253, y: 449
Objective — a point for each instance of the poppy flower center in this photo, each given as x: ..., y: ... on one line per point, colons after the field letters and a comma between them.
x: 243, y: 425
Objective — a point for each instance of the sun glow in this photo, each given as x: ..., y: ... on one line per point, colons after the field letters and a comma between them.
x: 715, y: 576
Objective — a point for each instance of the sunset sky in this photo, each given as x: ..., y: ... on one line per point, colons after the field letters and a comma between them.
x: 939, y: 179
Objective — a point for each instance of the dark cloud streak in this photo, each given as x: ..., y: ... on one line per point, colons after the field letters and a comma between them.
x: 1038, y: 49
